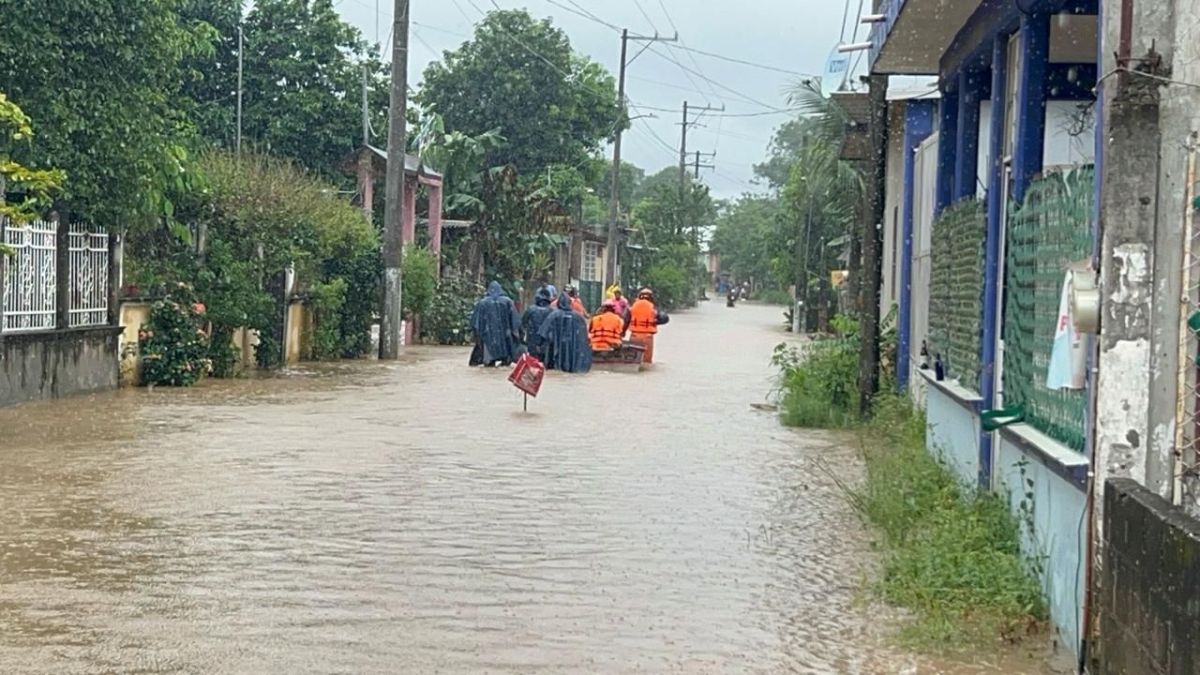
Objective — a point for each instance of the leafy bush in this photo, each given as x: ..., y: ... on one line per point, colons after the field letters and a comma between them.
x: 326, y: 301
x: 248, y: 219
x: 818, y: 385
x: 173, y: 344
x: 420, y: 281
x: 448, y: 319
x: 672, y: 289
x: 775, y: 296
x: 952, y: 555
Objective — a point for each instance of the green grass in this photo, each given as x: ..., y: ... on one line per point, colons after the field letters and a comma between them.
x: 951, y: 555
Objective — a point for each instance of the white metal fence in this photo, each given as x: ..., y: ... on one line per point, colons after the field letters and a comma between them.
x: 30, y: 276
x: 89, y: 275
x: 30, y: 299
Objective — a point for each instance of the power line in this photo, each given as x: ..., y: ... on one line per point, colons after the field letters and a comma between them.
x: 641, y: 9
x: 592, y: 17
x: 743, y: 62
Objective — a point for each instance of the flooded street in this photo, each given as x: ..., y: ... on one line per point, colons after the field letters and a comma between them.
x: 408, y: 518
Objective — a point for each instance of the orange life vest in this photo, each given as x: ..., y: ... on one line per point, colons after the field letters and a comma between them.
x: 643, y: 317
x: 577, y: 305
x: 605, y: 331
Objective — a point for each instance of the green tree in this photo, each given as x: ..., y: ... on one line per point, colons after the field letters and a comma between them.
x: 751, y: 238
x: 208, y: 86
x: 99, y: 78
x: 34, y: 187
x: 520, y: 77
x: 303, y: 71
x: 668, y: 222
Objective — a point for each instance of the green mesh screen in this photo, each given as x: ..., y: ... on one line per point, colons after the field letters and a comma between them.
x: 1046, y: 234
x: 956, y: 290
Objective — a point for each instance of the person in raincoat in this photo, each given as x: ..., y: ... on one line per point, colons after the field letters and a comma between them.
x: 566, y: 336
x: 496, y: 327
x: 532, y: 320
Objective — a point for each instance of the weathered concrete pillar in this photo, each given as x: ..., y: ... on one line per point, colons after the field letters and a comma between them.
x: 409, y: 231
x: 1130, y: 200
x: 435, y: 223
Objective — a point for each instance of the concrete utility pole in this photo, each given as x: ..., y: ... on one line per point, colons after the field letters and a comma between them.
x: 683, y: 151
x: 683, y: 160
x: 614, y: 199
x: 393, y: 237
x: 872, y: 245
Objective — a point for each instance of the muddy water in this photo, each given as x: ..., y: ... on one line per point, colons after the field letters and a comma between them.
x: 408, y: 518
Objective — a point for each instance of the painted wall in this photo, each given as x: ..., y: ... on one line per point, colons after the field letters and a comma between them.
x: 1059, y: 529
x: 952, y: 431
x: 54, y: 364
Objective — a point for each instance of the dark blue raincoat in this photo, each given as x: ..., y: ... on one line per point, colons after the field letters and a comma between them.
x: 496, y: 327
x: 531, y: 323
x: 566, y: 336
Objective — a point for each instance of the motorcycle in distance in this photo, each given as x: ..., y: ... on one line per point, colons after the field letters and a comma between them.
x: 731, y: 298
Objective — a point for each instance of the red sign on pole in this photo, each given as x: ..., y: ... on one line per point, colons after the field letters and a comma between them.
x: 527, y: 375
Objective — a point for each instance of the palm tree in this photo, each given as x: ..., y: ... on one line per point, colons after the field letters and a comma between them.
x: 824, y: 193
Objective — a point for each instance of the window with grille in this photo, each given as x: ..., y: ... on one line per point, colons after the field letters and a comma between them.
x: 591, y: 262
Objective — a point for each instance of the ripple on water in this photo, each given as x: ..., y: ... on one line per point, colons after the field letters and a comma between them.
x: 383, y: 518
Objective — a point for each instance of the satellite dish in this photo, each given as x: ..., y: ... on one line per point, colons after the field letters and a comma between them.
x: 837, y: 69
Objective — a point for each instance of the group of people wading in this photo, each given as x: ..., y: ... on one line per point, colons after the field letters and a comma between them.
x: 557, y: 329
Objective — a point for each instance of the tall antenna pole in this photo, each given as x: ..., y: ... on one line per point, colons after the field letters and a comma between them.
x: 239, y: 93
x: 393, y: 233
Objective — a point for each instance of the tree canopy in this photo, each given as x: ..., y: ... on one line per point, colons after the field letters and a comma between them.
x: 520, y: 77
x: 99, y: 80
x: 303, y: 76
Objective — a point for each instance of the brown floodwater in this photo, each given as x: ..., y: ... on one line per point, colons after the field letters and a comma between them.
x: 409, y: 518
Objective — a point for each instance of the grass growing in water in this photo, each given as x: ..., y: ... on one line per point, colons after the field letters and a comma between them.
x: 951, y: 554
x: 818, y: 384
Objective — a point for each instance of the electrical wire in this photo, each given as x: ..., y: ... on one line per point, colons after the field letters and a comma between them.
x: 641, y: 9
x: 592, y: 17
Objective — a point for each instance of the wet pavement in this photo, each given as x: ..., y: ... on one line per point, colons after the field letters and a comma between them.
x: 409, y: 518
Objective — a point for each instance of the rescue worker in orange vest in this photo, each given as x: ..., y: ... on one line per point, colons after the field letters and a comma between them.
x: 643, y: 321
x: 606, y: 328
x: 576, y: 303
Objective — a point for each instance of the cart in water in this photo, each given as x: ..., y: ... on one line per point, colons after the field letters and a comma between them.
x: 624, y: 359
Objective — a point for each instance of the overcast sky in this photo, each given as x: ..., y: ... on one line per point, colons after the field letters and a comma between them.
x: 793, y: 35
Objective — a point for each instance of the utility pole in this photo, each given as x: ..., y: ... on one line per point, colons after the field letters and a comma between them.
x: 872, y: 245
x: 238, y: 142
x: 614, y: 199
x: 366, y: 112
x: 683, y: 151
x: 697, y: 165
x: 393, y: 235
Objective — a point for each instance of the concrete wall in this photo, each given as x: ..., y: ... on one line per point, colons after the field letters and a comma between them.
x: 952, y: 429
x: 294, y: 336
x: 1149, y: 613
x: 136, y: 313
x: 1030, y: 467
x: 53, y: 364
